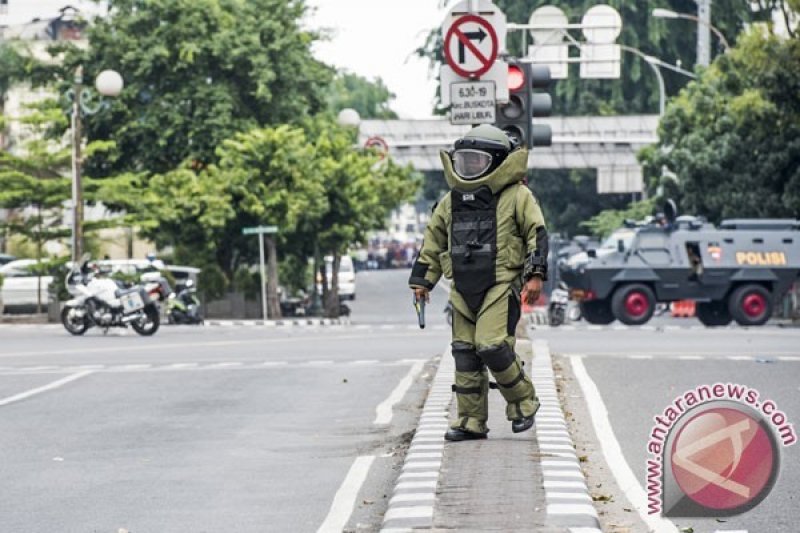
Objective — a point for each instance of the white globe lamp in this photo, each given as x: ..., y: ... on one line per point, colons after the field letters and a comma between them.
x: 109, y: 83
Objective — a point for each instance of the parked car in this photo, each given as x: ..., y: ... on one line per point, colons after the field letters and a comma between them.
x: 5, y: 259
x: 347, y: 277
x: 20, y: 286
x: 144, y: 266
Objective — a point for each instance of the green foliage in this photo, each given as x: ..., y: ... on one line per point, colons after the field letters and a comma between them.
x: 295, y: 273
x: 212, y: 281
x: 247, y: 282
x: 605, y: 222
x: 370, y: 98
x: 570, y: 197
x: 196, y: 72
x: 13, y: 66
x: 733, y: 137
x: 360, y: 189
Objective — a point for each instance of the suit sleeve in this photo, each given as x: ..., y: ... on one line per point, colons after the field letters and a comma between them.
x: 534, y: 232
x: 427, y: 268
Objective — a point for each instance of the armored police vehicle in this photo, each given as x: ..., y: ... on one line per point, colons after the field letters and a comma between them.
x: 734, y: 272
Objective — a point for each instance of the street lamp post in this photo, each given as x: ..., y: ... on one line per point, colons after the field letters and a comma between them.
x: 703, y: 48
x: 108, y: 83
x: 656, y: 64
x: 652, y: 61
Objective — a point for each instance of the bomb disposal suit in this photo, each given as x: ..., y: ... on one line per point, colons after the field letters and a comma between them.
x: 488, y: 235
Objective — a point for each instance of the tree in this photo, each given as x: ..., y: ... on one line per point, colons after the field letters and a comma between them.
x: 569, y: 197
x: 361, y: 190
x: 733, y: 137
x: 370, y: 98
x: 197, y: 72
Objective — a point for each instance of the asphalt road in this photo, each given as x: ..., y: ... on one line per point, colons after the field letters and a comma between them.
x: 638, y: 373
x: 213, y: 428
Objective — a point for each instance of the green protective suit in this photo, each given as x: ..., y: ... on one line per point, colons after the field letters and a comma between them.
x: 486, y: 301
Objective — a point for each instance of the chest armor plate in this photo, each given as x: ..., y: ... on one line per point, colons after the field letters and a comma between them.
x: 473, y: 243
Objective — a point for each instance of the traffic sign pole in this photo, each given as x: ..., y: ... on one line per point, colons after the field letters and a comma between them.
x: 263, y: 276
x: 261, y: 231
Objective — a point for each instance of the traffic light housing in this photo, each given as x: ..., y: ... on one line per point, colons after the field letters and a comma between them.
x: 524, y: 104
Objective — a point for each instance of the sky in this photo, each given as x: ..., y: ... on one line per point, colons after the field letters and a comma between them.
x: 371, y: 38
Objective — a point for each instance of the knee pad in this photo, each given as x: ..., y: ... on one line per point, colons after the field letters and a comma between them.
x: 466, y: 358
x: 497, y: 357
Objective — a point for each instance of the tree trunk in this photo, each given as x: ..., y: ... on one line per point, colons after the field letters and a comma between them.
x: 333, y: 294
x: 39, y: 262
x: 273, y: 304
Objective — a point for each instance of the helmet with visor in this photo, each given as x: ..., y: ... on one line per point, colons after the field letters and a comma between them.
x: 480, y: 152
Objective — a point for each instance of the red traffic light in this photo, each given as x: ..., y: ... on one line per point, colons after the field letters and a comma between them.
x: 516, y: 78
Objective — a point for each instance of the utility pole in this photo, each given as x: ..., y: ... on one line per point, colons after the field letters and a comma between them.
x: 704, y: 32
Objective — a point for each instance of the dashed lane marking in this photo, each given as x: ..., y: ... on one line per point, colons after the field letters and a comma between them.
x: 223, y: 365
x: 707, y: 356
x: 200, y: 344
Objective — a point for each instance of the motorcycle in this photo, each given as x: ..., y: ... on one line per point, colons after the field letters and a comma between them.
x: 99, y: 302
x: 559, y: 300
x: 184, y: 307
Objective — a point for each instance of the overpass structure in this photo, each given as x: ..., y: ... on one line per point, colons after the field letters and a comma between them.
x: 608, y: 144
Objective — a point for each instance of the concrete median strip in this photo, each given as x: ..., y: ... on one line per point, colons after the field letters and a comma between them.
x: 569, y: 504
x: 412, y: 502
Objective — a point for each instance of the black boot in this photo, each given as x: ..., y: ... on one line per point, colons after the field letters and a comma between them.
x: 523, y: 424
x: 456, y: 434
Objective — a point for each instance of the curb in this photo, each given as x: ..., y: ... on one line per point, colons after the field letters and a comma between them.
x: 569, y: 503
x: 412, y: 502
x: 279, y: 323
x: 538, y: 318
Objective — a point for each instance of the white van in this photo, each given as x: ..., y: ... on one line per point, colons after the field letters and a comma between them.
x: 347, y: 277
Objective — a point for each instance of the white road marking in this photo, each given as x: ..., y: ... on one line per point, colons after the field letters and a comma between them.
x: 571, y: 509
x: 613, y: 452
x: 345, y: 498
x: 135, y: 367
x: 228, y: 364
x: 383, y: 413
x: 50, y: 386
x: 212, y: 344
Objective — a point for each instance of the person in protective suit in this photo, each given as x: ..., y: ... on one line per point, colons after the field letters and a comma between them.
x: 488, y: 235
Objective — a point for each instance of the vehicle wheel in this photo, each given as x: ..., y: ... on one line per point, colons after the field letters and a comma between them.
x: 750, y: 305
x: 76, y: 326
x: 556, y: 316
x: 150, y: 324
x: 597, y: 312
x: 633, y: 304
x: 713, y: 313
